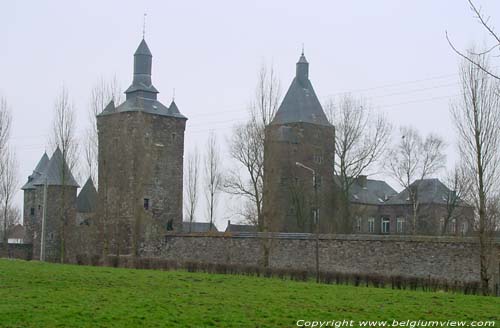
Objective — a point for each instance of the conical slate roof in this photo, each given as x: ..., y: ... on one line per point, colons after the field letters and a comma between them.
x: 86, y: 201
x: 173, y: 108
x: 42, y: 164
x: 143, y: 49
x: 301, y: 103
x: 53, y: 173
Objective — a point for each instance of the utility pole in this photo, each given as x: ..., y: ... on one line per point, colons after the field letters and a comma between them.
x: 315, y: 213
x: 44, y: 218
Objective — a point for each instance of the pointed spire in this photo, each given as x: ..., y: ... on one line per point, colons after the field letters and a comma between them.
x: 37, y: 172
x: 300, y: 104
x: 173, y: 108
x: 87, y: 198
x: 141, y: 84
x: 302, y: 70
x: 52, y: 175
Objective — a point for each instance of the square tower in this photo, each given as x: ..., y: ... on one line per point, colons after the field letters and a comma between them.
x: 141, y: 150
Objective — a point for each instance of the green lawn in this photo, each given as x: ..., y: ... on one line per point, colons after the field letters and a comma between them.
x: 34, y: 294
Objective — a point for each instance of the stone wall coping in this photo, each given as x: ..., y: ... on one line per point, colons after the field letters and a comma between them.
x: 339, y: 237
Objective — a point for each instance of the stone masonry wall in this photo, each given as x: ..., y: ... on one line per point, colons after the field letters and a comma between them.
x: 436, y: 257
x: 140, y: 179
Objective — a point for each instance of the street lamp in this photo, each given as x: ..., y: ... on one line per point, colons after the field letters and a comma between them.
x: 316, y: 212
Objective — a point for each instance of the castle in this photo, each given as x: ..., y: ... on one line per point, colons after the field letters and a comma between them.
x: 140, y: 169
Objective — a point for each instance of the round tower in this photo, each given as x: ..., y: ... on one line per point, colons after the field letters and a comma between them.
x: 298, y: 157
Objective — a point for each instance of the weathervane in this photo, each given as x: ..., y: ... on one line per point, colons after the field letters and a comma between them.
x: 144, y: 26
x: 302, y: 48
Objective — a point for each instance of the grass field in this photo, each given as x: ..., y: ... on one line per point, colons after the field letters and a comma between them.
x: 34, y: 294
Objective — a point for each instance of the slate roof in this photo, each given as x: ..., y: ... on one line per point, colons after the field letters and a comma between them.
x: 42, y: 164
x: 86, y: 202
x: 142, y: 95
x: 240, y: 228
x: 375, y: 192
x: 143, y: 49
x: 429, y: 191
x: 198, y: 227
x: 52, y: 174
x: 301, y: 103
x: 141, y: 104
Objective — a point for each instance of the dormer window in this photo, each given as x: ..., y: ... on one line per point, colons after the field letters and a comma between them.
x: 146, y: 204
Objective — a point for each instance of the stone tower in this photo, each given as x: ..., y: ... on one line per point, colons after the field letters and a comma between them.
x: 50, y: 189
x: 31, y: 212
x: 141, y: 149
x: 299, y: 132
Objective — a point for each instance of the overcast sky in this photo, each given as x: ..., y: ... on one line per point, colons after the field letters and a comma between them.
x: 393, y: 53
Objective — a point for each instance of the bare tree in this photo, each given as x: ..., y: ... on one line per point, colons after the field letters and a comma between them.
x: 192, y: 183
x: 477, y: 120
x: 413, y: 159
x: 472, y: 56
x: 213, y: 176
x: 63, y: 137
x: 5, y: 123
x: 246, y: 147
x: 101, y: 95
x: 9, y: 184
x: 459, y: 184
x: 361, y: 138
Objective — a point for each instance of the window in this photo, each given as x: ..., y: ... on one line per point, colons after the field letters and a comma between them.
x: 385, y: 225
x: 453, y: 226
x: 32, y: 211
x: 441, y: 225
x: 146, y: 204
x: 358, y: 224
x: 399, y: 225
x: 371, y: 225
x: 318, y: 159
x: 174, y: 136
x: 318, y: 181
x: 464, y: 228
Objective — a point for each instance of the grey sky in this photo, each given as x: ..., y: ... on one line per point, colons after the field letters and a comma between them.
x: 210, y: 52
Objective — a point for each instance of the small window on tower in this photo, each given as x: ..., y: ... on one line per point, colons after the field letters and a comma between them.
x: 174, y: 137
x: 318, y: 159
x: 146, y: 204
x: 32, y: 211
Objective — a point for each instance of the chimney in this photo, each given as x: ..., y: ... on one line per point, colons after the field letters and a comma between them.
x: 362, y: 180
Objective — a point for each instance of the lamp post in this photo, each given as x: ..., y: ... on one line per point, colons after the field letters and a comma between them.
x: 316, y: 213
